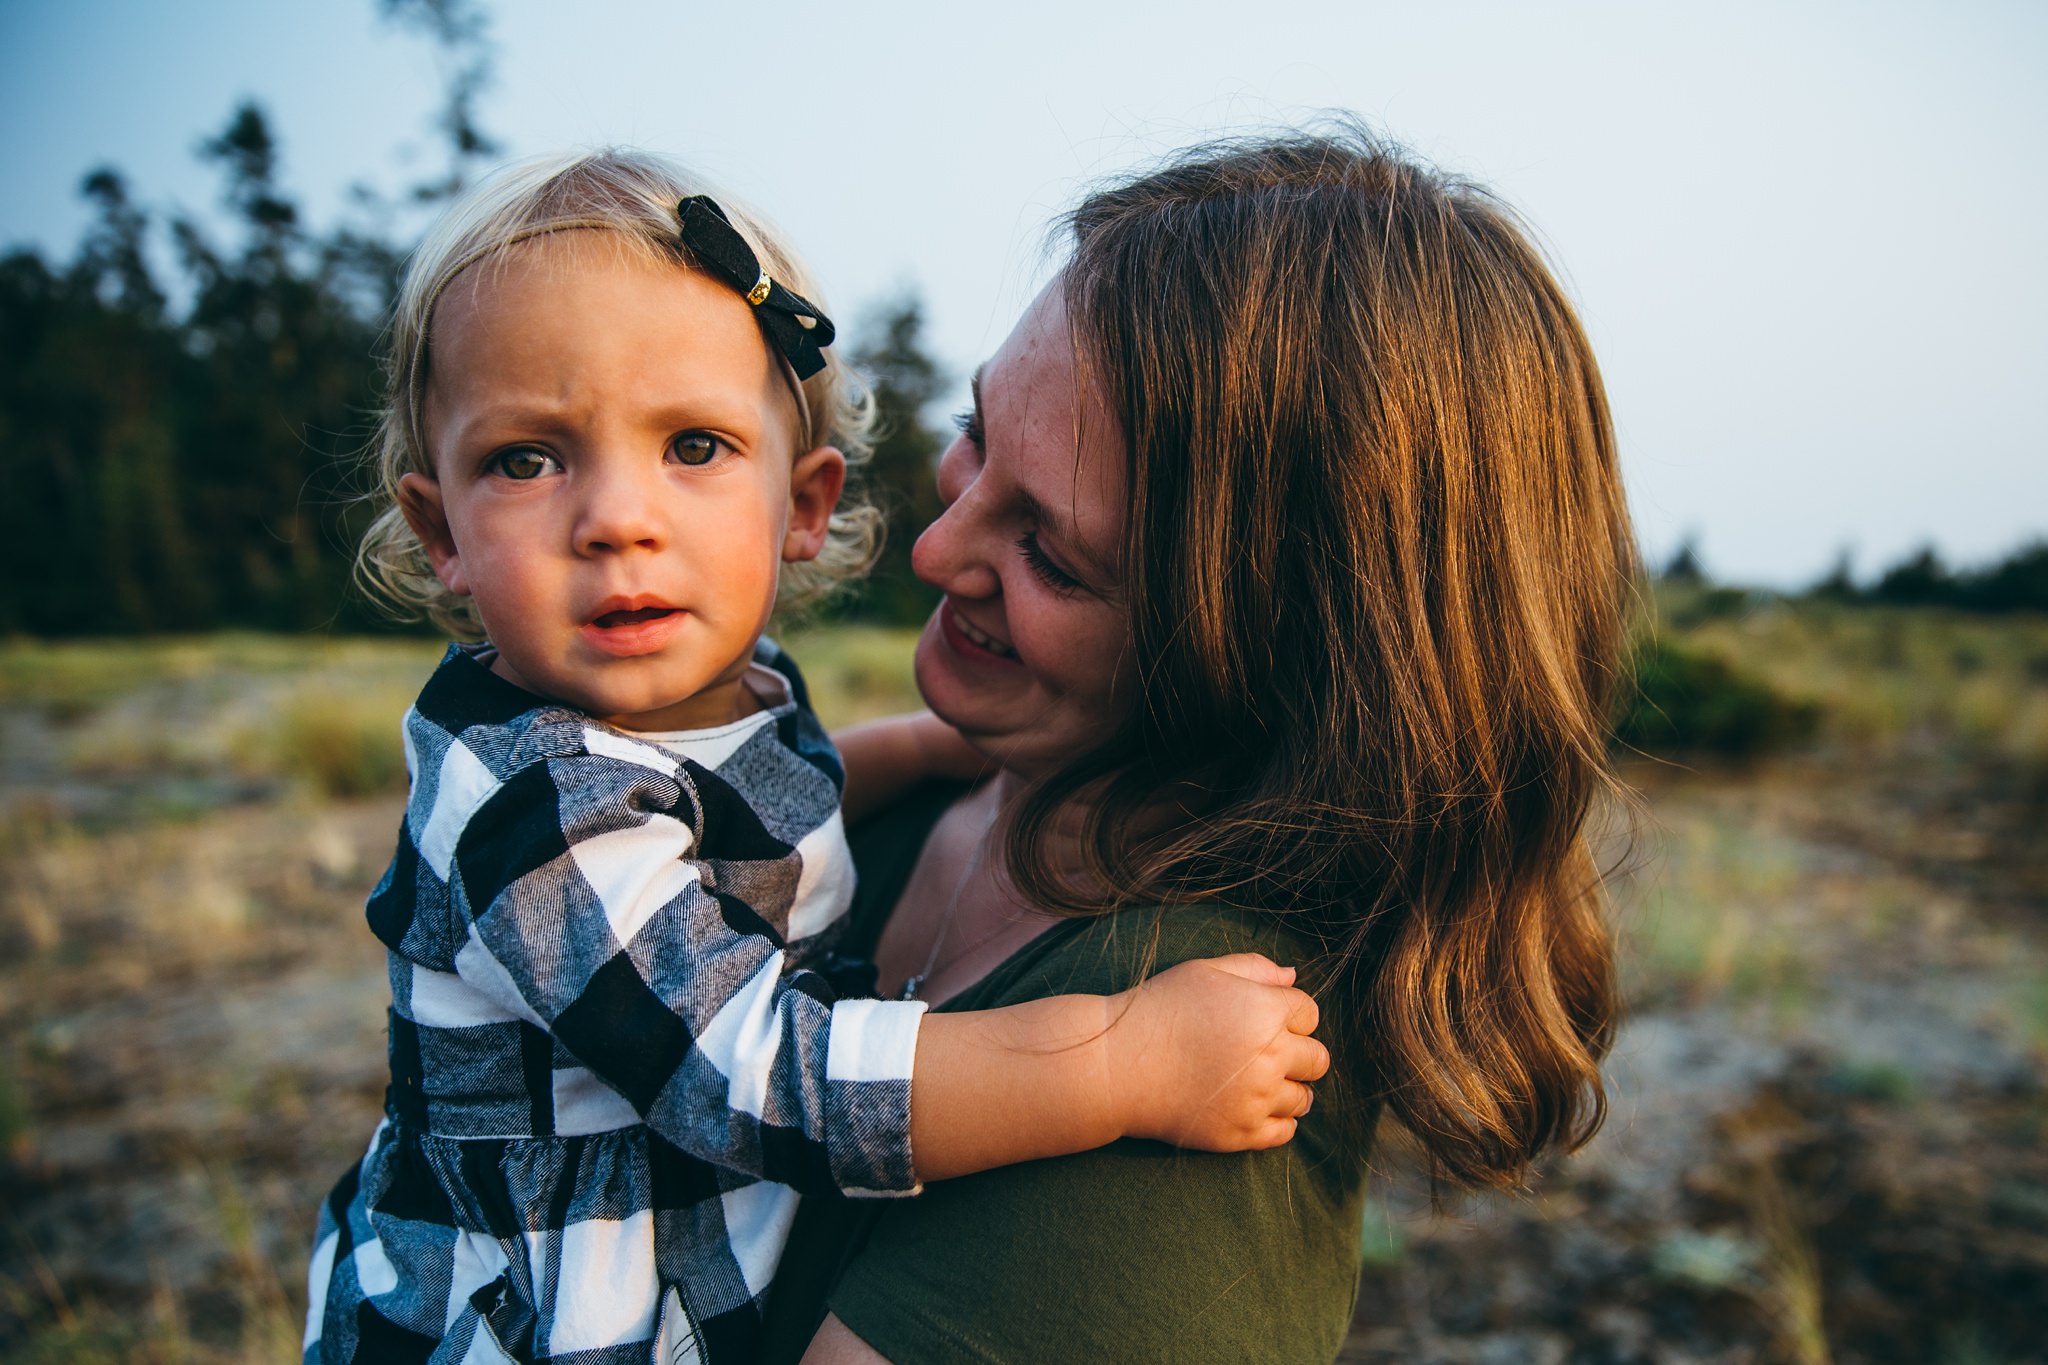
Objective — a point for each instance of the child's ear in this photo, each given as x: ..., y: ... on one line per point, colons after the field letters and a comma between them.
x: 815, y: 482
x: 419, y: 501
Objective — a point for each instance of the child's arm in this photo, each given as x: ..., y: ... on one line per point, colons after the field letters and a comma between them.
x: 646, y: 974
x: 885, y: 758
x: 1212, y: 1054
x: 585, y: 902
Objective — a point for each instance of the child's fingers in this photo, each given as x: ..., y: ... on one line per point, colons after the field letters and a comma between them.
x: 1254, y: 1132
x: 1305, y: 1059
x: 1303, y: 1100
x: 1253, y: 967
x: 1305, y: 1015
x: 1275, y: 1132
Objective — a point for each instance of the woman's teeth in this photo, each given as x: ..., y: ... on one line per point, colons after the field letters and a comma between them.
x: 993, y: 646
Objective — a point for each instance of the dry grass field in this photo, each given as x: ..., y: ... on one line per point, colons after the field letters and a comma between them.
x: 1829, y: 1139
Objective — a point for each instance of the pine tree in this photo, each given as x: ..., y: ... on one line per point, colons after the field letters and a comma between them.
x: 189, y: 471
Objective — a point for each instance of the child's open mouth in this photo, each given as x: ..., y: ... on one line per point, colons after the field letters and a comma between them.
x: 628, y: 631
x: 612, y: 620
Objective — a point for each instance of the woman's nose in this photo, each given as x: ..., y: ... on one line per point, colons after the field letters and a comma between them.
x: 957, y: 465
x: 618, y: 510
x: 956, y: 553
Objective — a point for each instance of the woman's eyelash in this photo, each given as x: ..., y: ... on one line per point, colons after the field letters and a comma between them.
x: 1042, y: 568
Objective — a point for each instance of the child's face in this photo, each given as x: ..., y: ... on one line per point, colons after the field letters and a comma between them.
x: 616, y: 480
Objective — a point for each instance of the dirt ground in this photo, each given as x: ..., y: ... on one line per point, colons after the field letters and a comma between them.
x: 1828, y: 1142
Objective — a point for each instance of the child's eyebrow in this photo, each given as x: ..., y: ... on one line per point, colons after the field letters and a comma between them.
x: 511, y: 414
x: 544, y: 415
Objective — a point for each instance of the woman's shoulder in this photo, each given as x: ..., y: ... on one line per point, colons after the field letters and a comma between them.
x: 1103, y: 954
x: 1136, y: 1250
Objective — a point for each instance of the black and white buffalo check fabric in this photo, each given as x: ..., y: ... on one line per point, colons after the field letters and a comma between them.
x: 614, y: 1063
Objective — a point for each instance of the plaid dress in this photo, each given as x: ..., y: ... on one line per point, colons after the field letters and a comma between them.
x: 615, y: 1062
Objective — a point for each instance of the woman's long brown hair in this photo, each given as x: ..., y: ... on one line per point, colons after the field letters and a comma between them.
x: 1379, y: 563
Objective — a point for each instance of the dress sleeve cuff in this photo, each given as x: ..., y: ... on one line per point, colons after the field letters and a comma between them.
x: 868, y: 1061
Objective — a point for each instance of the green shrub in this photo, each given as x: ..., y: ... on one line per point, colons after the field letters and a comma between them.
x: 341, y: 745
x: 1684, y: 607
x: 856, y: 672
x: 1686, y: 701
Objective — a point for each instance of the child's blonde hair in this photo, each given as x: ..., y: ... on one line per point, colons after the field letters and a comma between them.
x: 633, y: 196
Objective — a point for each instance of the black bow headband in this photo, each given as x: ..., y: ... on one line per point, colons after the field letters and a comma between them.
x: 793, y: 324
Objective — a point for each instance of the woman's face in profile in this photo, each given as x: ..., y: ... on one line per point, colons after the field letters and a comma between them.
x: 1028, y: 654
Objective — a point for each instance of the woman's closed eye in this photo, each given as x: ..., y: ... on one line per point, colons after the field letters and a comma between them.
x: 1044, y: 568
x: 697, y: 448
x: 522, y: 463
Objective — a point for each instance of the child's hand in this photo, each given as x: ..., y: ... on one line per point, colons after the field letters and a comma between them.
x: 1214, y: 1054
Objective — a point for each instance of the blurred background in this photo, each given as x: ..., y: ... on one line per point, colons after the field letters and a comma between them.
x: 1804, y: 240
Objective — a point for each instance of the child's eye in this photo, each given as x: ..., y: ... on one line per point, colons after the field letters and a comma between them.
x: 521, y: 463
x: 696, y: 448
x: 1043, y: 568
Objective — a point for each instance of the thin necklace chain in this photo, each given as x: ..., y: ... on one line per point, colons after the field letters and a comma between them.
x: 912, y: 984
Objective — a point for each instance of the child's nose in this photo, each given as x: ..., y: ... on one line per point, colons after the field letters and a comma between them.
x: 619, y: 512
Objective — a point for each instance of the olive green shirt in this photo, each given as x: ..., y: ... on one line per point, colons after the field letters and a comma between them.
x: 1133, y: 1252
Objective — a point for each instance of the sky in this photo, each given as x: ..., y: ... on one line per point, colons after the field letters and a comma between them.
x: 1803, y: 236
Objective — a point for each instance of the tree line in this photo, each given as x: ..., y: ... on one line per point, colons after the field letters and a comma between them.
x: 183, y: 468
x: 183, y: 453
x: 196, y: 466
x: 2018, y: 582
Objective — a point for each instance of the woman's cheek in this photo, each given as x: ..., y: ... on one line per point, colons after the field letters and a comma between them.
x: 1093, y: 672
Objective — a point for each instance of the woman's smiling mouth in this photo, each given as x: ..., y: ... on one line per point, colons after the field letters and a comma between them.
x: 961, y: 630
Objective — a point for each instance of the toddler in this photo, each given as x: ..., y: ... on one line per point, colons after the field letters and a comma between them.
x: 619, y: 1044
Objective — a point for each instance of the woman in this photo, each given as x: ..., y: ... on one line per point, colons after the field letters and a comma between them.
x: 1285, y: 563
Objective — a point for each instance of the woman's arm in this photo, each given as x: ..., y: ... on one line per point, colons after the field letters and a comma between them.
x: 886, y: 758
